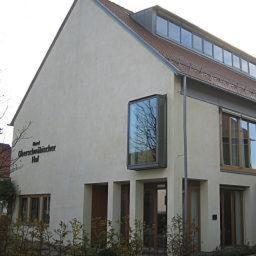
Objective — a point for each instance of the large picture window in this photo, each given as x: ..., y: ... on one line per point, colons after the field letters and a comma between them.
x: 147, y: 133
x: 238, y: 142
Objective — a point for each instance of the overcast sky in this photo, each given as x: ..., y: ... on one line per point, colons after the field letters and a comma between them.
x: 27, y: 27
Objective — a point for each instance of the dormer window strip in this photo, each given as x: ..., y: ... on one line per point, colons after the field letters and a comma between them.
x: 176, y: 33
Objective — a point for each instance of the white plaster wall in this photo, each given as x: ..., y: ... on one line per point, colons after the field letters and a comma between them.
x: 79, y: 103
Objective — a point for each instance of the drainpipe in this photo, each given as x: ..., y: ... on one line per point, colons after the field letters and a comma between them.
x: 185, y: 158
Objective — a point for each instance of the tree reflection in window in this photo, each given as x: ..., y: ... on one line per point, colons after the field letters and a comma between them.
x: 143, y: 131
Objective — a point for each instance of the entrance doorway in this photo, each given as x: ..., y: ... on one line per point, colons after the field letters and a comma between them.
x: 155, y: 215
x: 99, y: 214
x: 193, y: 214
x: 231, y: 218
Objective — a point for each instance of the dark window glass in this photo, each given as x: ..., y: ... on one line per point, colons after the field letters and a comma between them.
x: 217, y: 53
x: 252, y: 68
x: 24, y: 209
x: 174, y: 32
x: 161, y: 26
x: 46, y: 210
x: 244, y: 65
x: 245, y: 144
x: 225, y: 139
x: 197, y: 43
x: 230, y: 140
x: 186, y: 38
x: 236, y: 61
x: 227, y: 58
x: 234, y: 141
x: 207, y: 48
x: 34, y: 209
x: 147, y: 129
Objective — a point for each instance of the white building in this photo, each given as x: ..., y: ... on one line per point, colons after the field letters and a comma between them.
x: 82, y: 160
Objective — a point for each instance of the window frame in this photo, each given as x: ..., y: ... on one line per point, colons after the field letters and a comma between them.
x: 29, y: 197
x: 161, y: 147
x: 233, y: 168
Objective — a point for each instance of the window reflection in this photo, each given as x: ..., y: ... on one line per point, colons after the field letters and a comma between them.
x: 236, y: 61
x: 143, y: 131
x: 244, y: 64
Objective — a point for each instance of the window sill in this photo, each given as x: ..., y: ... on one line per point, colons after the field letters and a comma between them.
x: 238, y: 170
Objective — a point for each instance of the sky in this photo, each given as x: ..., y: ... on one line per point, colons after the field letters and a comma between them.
x: 27, y: 28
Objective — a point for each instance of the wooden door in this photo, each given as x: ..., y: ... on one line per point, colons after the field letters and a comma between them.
x: 99, y: 213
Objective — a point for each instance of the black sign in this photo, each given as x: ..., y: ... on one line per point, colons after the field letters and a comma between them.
x: 36, y: 151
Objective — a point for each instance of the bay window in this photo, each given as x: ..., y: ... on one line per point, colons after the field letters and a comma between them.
x: 238, y: 142
x: 147, y: 133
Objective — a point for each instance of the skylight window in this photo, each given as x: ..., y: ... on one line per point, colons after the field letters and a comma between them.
x: 174, y: 32
x: 227, y: 58
x: 197, y: 43
x: 252, y: 68
x: 186, y: 38
x: 244, y: 65
x: 207, y: 48
x: 236, y: 61
x: 161, y: 26
x: 217, y: 52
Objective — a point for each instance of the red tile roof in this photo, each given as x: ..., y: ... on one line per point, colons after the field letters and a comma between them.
x: 5, y: 160
x: 187, y: 62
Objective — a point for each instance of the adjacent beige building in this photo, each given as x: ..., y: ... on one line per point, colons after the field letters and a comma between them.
x: 107, y: 127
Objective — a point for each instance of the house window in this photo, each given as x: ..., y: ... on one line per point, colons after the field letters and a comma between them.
x: 161, y: 26
x: 35, y: 208
x: 238, y: 142
x: 147, y: 133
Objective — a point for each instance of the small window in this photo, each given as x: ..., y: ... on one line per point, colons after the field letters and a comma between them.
x: 30, y: 210
x: 147, y: 133
x: 23, y: 209
x: 244, y: 65
x: 34, y: 210
x: 236, y: 61
x: 217, y: 53
x: 174, y: 32
x: 207, y: 48
x: 197, y: 43
x: 46, y: 210
x: 186, y: 38
x: 161, y: 26
x: 227, y: 58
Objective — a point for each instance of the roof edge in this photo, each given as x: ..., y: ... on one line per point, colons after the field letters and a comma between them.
x: 43, y: 61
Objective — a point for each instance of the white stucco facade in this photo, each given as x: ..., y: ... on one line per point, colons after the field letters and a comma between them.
x: 79, y: 103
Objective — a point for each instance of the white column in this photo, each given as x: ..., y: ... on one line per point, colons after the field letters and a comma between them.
x: 114, y: 204
x: 210, y: 204
x: 87, y: 209
x: 136, y: 202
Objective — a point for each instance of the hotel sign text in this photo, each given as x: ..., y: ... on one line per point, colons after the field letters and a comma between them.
x: 34, y: 152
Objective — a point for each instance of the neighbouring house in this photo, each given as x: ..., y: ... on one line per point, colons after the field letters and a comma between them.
x: 5, y: 166
x: 123, y: 106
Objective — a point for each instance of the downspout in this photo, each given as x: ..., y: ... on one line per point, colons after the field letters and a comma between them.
x: 185, y: 158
